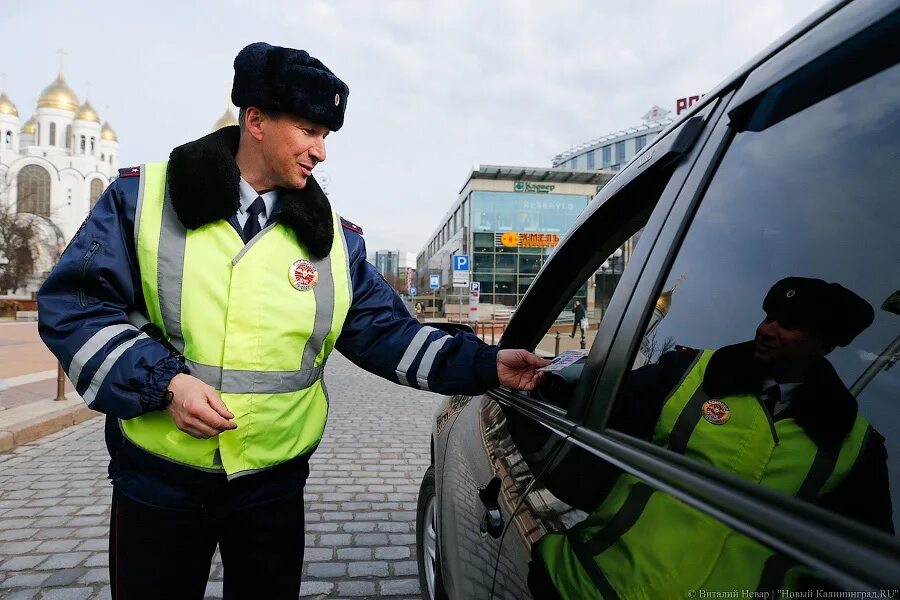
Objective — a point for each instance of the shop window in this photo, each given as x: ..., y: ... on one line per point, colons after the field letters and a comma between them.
x: 483, y: 242
x: 506, y: 263
x: 483, y: 262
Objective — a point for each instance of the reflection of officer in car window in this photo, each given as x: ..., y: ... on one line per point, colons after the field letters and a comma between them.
x: 772, y: 410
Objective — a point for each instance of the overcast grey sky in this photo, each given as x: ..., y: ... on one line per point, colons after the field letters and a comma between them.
x: 435, y: 87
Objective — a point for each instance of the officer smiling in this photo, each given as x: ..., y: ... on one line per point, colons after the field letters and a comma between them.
x: 197, y: 308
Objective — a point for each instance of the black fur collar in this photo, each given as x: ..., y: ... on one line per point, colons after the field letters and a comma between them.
x: 203, y: 181
x: 822, y: 406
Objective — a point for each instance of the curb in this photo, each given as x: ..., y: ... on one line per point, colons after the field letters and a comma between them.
x: 24, y: 424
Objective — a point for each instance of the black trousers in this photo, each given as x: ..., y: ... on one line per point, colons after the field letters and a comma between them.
x: 576, y: 325
x: 156, y: 553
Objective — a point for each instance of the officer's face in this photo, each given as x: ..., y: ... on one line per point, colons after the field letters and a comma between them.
x: 292, y: 147
x: 778, y: 343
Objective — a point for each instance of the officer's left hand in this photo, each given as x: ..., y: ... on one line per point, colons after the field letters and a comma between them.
x: 518, y: 369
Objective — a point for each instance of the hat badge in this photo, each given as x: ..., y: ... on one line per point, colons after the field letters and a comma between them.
x: 790, y: 293
x: 303, y: 275
x: 337, y: 99
x: 716, y: 412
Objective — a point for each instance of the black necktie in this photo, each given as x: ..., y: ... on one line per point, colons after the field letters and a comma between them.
x: 251, y: 227
x: 770, y: 396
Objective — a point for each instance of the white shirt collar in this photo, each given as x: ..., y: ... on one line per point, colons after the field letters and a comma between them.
x: 248, y: 195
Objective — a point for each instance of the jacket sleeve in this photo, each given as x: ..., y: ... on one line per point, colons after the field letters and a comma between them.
x: 381, y: 336
x: 83, y: 309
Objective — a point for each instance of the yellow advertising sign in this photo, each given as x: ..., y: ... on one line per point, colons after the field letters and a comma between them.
x: 510, y: 239
x: 538, y: 240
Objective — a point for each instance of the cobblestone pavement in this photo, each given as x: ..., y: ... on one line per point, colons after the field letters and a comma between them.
x: 360, y: 501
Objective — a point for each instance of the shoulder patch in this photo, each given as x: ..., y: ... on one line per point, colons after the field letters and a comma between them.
x: 351, y: 226
x: 130, y: 172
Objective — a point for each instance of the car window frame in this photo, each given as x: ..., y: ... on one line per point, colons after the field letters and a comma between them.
x: 614, y: 219
x: 807, y: 533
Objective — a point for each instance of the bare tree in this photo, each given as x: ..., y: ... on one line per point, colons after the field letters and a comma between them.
x: 18, y: 234
x: 654, y: 347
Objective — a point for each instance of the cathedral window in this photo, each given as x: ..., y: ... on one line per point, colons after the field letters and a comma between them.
x: 69, y: 139
x: 52, y: 134
x: 102, y: 157
x: 96, y: 190
x: 83, y: 143
x: 93, y: 143
x: 33, y: 196
x: 8, y: 138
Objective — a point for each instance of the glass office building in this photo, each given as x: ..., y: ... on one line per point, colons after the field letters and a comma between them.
x: 508, y: 220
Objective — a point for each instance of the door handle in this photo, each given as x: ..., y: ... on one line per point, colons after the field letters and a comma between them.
x: 492, y: 521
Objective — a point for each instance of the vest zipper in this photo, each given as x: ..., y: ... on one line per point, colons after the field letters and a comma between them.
x: 89, y: 255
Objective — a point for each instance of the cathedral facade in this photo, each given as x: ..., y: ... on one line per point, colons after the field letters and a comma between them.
x: 54, y: 166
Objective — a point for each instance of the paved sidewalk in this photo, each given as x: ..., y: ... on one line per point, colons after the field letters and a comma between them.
x: 360, y: 501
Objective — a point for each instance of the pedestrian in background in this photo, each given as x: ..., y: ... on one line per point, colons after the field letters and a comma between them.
x: 197, y: 307
x: 579, y: 318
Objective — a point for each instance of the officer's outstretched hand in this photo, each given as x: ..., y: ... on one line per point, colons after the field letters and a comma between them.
x: 196, y: 408
x: 518, y: 369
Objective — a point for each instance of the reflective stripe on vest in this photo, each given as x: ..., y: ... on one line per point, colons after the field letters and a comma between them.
x: 642, y: 543
x: 233, y: 311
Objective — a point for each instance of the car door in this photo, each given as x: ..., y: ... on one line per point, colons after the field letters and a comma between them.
x: 764, y: 201
x: 499, y: 441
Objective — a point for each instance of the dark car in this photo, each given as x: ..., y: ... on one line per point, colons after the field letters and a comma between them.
x: 733, y: 426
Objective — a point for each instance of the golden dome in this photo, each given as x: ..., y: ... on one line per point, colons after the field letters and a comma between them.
x: 664, y: 302
x: 87, y: 113
x: 59, y: 95
x: 7, y: 107
x: 226, y: 120
x: 107, y: 133
x: 30, y: 127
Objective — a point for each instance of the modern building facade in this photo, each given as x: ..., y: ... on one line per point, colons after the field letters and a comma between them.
x: 508, y: 220
x: 614, y: 150
x: 54, y: 166
x: 398, y: 268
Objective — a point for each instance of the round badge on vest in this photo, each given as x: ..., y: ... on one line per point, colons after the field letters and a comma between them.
x: 303, y: 275
x: 716, y: 412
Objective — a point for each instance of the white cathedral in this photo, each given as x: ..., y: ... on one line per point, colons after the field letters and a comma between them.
x: 55, y: 166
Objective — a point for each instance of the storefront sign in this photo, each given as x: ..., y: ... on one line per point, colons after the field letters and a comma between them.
x: 682, y: 104
x: 511, y: 239
x: 535, y: 188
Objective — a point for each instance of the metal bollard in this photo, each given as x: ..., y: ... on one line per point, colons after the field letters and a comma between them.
x: 582, y: 339
x: 557, y: 344
x: 60, y: 383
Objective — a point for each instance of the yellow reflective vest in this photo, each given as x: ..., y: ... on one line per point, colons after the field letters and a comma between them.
x: 646, y: 544
x: 255, y: 321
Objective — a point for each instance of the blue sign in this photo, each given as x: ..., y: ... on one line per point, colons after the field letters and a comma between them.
x: 475, y: 286
x: 435, y: 282
x: 461, y: 262
x: 412, y: 291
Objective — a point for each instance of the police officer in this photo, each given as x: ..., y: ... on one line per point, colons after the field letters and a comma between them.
x: 772, y: 410
x: 197, y: 307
